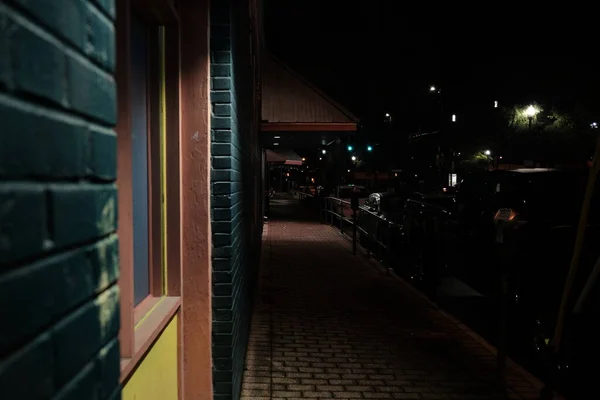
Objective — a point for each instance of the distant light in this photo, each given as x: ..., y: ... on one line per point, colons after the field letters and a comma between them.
x: 276, y: 137
x: 320, y: 158
x: 531, y: 111
x: 348, y: 170
x: 459, y: 154
x: 387, y: 115
x: 287, y: 174
x: 353, y: 158
x: 303, y: 159
x: 500, y: 157
x: 350, y: 147
x: 432, y: 89
x: 487, y: 152
x: 369, y: 148
x: 275, y: 144
x: 594, y: 125
x: 396, y: 174
x: 496, y: 104
x: 324, y: 151
x: 453, y: 117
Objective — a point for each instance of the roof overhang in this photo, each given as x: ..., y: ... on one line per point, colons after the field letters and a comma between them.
x: 308, y: 126
x: 284, y: 157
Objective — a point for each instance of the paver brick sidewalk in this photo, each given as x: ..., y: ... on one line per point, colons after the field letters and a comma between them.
x: 329, y: 325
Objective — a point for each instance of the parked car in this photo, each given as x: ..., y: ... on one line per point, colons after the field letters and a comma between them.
x: 381, y: 219
x: 345, y: 193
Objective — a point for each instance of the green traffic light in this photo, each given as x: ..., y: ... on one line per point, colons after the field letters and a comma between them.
x: 350, y: 147
x: 369, y: 148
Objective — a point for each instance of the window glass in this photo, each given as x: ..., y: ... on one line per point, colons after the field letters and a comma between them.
x: 139, y: 160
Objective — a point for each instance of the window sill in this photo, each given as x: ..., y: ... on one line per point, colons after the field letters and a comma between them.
x: 151, y: 317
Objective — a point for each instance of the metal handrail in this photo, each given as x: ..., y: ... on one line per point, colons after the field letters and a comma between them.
x: 345, y: 220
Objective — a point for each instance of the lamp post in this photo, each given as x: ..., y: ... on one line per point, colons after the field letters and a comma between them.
x: 531, y: 112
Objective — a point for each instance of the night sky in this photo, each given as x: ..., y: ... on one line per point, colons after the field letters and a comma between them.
x: 382, y: 56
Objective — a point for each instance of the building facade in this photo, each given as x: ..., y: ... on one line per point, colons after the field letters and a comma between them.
x: 130, y: 197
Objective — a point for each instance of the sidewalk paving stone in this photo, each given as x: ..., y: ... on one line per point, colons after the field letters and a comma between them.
x: 330, y: 325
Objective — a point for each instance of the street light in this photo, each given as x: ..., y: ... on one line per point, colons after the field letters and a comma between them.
x: 488, y: 153
x: 303, y: 159
x: 324, y: 151
x: 387, y: 115
x: 594, y: 125
x: 350, y: 147
x: 369, y: 148
x: 453, y: 117
x: 530, y: 112
x: 353, y: 158
x: 432, y: 89
x: 496, y: 104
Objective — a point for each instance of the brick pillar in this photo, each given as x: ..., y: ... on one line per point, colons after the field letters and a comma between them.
x: 58, y: 204
x: 235, y: 203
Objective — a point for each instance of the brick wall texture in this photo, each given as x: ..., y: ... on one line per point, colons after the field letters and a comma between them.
x: 236, y: 191
x: 58, y: 249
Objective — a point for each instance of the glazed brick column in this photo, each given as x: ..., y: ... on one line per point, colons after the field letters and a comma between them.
x: 58, y: 249
x: 235, y: 168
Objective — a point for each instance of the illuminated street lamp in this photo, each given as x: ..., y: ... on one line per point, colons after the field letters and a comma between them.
x: 530, y: 112
x: 432, y: 89
x: 369, y: 148
x: 303, y: 159
x: 594, y: 125
x: 350, y: 147
x: 488, y: 153
x: 353, y: 158
x: 324, y: 151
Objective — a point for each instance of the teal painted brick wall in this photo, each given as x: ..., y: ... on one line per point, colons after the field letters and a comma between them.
x: 235, y: 201
x: 59, y: 302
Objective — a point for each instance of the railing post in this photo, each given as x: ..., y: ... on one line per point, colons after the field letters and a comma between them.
x: 341, y: 216
x: 354, y: 220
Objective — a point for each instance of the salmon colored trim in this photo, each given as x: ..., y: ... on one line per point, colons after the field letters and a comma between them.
x: 195, y: 181
x: 173, y: 176
x: 147, y: 331
x: 180, y: 358
x: 154, y: 160
x: 124, y: 178
x: 308, y: 126
x: 173, y: 155
x: 144, y: 308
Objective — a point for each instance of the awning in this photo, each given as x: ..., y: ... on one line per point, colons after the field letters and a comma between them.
x: 285, y: 157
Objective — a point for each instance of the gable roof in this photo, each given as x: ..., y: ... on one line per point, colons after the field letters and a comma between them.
x: 289, y: 98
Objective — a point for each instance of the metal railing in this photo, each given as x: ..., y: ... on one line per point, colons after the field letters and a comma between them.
x: 372, y: 227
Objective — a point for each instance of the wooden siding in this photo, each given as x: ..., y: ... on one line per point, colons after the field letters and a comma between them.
x: 287, y: 97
